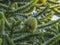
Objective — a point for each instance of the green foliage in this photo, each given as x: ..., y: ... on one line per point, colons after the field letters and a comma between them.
x: 0, y: 41
x: 28, y: 22
x: 31, y: 24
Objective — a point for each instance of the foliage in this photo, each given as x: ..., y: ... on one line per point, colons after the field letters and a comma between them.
x: 28, y: 22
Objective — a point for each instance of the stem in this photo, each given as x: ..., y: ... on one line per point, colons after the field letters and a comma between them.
x: 2, y: 27
x: 2, y: 23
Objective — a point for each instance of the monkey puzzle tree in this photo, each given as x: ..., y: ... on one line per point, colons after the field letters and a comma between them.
x: 29, y: 22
